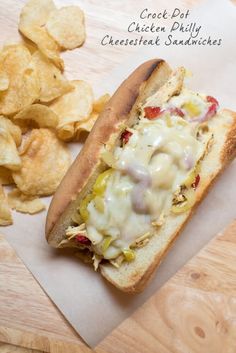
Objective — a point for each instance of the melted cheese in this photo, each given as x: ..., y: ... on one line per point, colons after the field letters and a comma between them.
x: 148, y: 170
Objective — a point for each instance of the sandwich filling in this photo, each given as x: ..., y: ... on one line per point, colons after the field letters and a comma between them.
x: 154, y: 172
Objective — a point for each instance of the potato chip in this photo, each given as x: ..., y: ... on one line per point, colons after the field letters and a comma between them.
x: 24, y: 86
x: 45, y: 161
x: 24, y: 204
x: 86, y: 125
x: 41, y: 114
x: 46, y: 45
x: 5, y: 176
x: 4, y: 81
x: 99, y: 104
x: 14, y: 130
x: 36, y: 13
x: 9, y: 157
x: 14, y: 59
x: 5, y: 212
x: 25, y: 126
x: 66, y: 132
x: 33, y: 18
x: 66, y: 27
x: 74, y: 106
x: 52, y: 82
x: 31, y: 46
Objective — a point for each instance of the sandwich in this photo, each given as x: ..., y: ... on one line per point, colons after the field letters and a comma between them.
x: 149, y: 160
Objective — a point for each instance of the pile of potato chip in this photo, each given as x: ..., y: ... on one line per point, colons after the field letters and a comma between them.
x: 39, y: 108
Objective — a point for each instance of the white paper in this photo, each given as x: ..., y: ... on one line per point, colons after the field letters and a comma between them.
x: 88, y: 302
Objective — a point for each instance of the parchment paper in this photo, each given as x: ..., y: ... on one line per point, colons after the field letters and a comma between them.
x: 90, y: 304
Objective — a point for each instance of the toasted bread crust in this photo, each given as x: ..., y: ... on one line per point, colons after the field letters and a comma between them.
x: 229, y: 151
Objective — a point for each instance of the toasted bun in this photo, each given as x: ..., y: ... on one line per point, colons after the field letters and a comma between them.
x: 122, y: 109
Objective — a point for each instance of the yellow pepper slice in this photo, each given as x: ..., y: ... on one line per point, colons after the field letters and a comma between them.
x: 99, y: 204
x: 83, y: 207
x: 192, y: 109
x: 98, y: 190
x: 101, y: 182
x: 129, y: 255
x: 192, y: 176
x: 106, y: 243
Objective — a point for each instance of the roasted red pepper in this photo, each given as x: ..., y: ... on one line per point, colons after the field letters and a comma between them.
x: 211, y: 111
x: 196, y: 182
x: 82, y: 239
x: 125, y: 136
x: 176, y: 111
x: 213, y: 107
x: 152, y: 112
x: 212, y: 100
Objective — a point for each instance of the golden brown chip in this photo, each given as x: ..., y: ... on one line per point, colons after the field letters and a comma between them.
x: 24, y: 204
x: 9, y: 157
x: 86, y: 125
x: 74, y: 106
x: 52, y: 82
x: 5, y: 212
x: 4, y: 81
x: 36, y: 12
x: 66, y: 27
x: 99, y: 104
x: 41, y: 114
x: 33, y: 18
x: 66, y: 132
x: 31, y: 46
x: 24, y: 86
x: 5, y: 176
x: 13, y: 129
x: 46, y: 45
x: 45, y: 161
x: 25, y: 127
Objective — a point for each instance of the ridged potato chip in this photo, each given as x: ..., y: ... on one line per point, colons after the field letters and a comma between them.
x: 52, y: 83
x: 99, y: 104
x: 42, y: 115
x: 33, y: 18
x: 66, y: 27
x: 9, y: 157
x: 66, y: 132
x: 14, y: 59
x: 46, y: 45
x: 24, y: 86
x: 74, y: 106
x: 36, y: 12
x: 45, y: 161
x: 31, y: 46
x: 14, y: 130
x: 86, y: 125
x: 4, y: 81
x: 5, y: 176
x: 5, y: 212
x: 24, y: 204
